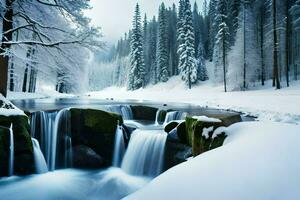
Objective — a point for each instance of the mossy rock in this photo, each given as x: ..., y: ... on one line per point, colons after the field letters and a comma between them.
x: 202, y: 142
x: 144, y: 113
x: 4, y: 151
x: 161, y: 116
x: 95, y: 129
x: 23, y: 148
x: 170, y: 126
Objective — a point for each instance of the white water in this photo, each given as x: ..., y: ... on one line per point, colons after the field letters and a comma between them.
x: 174, y: 115
x: 50, y: 124
x: 124, y: 110
x: 119, y: 149
x: 39, y: 160
x: 11, y: 151
x: 144, y: 156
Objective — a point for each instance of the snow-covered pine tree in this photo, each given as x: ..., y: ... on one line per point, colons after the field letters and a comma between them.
x: 137, y: 68
x: 152, y: 50
x: 162, y: 48
x: 186, y: 50
x: 233, y: 16
x: 180, y: 21
x: 221, y: 47
x: 197, y: 26
x: 213, y: 27
x: 172, y: 40
x: 201, y: 66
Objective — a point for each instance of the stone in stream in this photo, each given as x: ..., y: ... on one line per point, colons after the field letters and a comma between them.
x: 23, y: 149
x: 144, y: 113
x: 170, y: 126
x: 85, y: 157
x: 95, y: 129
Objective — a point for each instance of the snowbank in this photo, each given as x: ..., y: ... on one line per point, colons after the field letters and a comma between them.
x: 8, y: 109
x: 266, y: 103
x: 258, y: 161
x: 38, y: 95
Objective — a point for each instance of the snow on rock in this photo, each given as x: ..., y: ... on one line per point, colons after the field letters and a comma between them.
x: 206, y: 119
x: 8, y: 109
x: 259, y: 160
x: 263, y: 102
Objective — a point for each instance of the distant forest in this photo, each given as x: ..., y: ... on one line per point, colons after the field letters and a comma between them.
x: 237, y: 43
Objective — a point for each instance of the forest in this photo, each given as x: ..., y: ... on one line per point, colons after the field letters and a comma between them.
x: 239, y: 44
x: 45, y: 41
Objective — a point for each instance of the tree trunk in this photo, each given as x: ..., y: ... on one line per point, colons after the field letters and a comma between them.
x: 24, y: 87
x: 4, y: 59
x: 276, y: 82
x: 287, y: 43
x: 224, y: 64
x: 244, y: 37
x: 262, y: 46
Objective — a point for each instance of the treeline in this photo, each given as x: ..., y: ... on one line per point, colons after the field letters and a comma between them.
x: 244, y: 43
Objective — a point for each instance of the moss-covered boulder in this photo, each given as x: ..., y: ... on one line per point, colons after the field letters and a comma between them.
x: 170, y: 126
x: 23, y: 149
x: 4, y: 151
x: 95, y: 129
x: 200, y: 131
x: 144, y: 113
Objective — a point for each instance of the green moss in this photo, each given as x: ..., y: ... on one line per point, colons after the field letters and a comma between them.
x: 23, y: 148
x: 189, y: 122
x: 170, y: 126
x: 161, y: 116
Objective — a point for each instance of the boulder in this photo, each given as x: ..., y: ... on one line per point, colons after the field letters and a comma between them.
x: 85, y: 157
x: 161, y: 116
x: 200, y: 131
x: 95, y: 129
x: 144, y: 113
x: 170, y: 126
x: 182, y: 133
x: 23, y: 148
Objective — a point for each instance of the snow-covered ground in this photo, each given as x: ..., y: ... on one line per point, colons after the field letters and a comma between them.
x: 8, y: 109
x: 259, y: 160
x: 37, y: 95
x: 266, y: 103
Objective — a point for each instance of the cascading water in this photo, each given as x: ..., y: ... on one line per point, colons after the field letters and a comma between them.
x: 40, y: 162
x: 119, y: 149
x: 11, y: 152
x: 52, y: 129
x: 124, y: 110
x: 144, y: 156
x: 174, y: 115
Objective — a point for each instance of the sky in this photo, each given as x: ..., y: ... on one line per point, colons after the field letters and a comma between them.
x: 115, y: 16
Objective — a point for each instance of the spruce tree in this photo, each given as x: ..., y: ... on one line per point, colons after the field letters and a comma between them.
x: 222, y: 41
x: 186, y: 50
x: 162, y: 53
x: 201, y: 66
x: 137, y: 68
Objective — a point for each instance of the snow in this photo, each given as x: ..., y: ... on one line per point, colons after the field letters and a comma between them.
x: 38, y: 95
x: 259, y: 160
x: 206, y: 119
x: 206, y: 131
x: 265, y: 103
x: 10, y: 110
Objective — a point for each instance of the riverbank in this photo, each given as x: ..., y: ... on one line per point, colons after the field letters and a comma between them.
x: 263, y: 102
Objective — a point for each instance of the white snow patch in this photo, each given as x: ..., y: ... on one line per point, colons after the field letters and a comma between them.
x: 206, y: 132
x: 12, y: 111
x: 207, y: 119
x: 259, y: 160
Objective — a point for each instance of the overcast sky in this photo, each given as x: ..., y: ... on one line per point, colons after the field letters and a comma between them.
x: 115, y: 16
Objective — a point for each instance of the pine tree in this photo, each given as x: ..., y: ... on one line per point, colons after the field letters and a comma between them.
x: 162, y: 53
x: 201, y: 67
x: 137, y: 70
x: 197, y: 27
x: 222, y: 41
x: 186, y: 49
x: 152, y: 50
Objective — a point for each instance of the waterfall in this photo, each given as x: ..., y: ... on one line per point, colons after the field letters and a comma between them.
x: 144, y: 156
x: 119, y: 148
x: 124, y: 110
x: 158, y: 113
x: 11, y: 151
x: 52, y: 129
x: 174, y: 115
x: 40, y: 162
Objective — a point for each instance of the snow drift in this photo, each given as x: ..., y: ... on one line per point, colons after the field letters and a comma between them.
x: 258, y: 161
